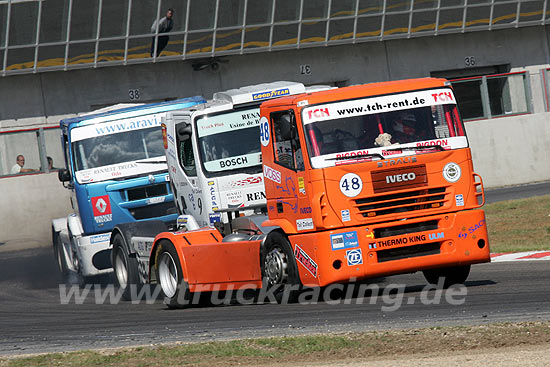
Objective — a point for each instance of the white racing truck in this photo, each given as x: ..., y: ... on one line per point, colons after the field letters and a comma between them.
x: 215, y: 167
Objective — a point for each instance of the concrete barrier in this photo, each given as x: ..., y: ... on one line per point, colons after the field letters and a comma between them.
x: 29, y: 203
x: 511, y: 150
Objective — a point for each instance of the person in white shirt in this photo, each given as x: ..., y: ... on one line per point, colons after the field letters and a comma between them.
x: 18, y: 167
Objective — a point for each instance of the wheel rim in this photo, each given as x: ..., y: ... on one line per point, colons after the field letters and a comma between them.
x: 276, y: 267
x: 121, y: 269
x: 168, y: 275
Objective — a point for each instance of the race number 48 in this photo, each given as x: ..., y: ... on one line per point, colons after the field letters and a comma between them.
x: 264, y: 131
x: 351, y: 185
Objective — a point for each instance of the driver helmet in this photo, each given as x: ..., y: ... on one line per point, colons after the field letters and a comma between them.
x: 405, y: 123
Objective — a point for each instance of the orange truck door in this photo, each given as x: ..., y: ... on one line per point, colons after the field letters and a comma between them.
x: 287, y: 173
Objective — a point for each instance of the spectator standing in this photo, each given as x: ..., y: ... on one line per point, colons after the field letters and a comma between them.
x: 165, y: 25
x: 18, y: 166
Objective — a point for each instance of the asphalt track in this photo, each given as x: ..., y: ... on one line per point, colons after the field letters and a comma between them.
x: 33, y: 319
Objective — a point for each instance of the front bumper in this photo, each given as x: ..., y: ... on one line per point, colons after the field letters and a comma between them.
x: 381, y: 249
x: 94, y: 254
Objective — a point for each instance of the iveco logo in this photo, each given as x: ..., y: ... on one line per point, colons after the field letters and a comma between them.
x: 151, y: 179
x: 400, y: 178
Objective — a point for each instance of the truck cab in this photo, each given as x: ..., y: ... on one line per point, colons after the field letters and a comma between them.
x: 116, y: 171
x: 374, y: 180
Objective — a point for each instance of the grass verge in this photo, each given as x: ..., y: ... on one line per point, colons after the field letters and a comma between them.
x: 519, y: 225
x: 314, y: 348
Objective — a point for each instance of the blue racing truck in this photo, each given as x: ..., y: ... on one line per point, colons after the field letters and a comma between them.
x: 116, y: 169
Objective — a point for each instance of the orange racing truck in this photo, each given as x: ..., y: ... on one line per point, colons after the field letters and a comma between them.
x: 361, y: 182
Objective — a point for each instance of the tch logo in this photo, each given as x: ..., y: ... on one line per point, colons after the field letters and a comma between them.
x: 443, y: 97
x: 318, y: 113
x: 400, y: 178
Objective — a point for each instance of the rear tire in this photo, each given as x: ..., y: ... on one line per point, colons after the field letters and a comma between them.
x: 452, y: 275
x: 170, y: 277
x: 126, y: 269
x: 279, y: 269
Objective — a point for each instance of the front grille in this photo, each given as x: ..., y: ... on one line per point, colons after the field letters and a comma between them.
x: 409, y: 251
x: 430, y: 225
x: 153, y: 211
x: 145, y: 192
x: 401, y: 202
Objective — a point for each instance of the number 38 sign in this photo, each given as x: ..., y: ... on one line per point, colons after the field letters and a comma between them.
x: 351, y: 185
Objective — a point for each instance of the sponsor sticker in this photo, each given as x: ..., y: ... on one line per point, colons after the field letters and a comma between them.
x: 214, y: 217
x: 346, y: 217
x: 304, y: 224
x: 305, y: 210
x: 436, y: 236
x: 471, y: 230
x: 301, y: 185
x: 270, y: 94
x: 156, y: 200
x: 255, y: 196
x: 303, y: 258
x: 234, y: 198
x: 115, y: 126
x: 355, y: 257
x: 272, y: 174
x: 372, y: 245
x: 247, y: 181
x: 459, y: 199
x: 105, y: 237
x: 344, y: 240
x: 101, y: 207
x: 375, y: 105
x: 452, y: 172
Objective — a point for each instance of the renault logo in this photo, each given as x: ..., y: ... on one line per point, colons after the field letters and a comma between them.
x: 151, y: 179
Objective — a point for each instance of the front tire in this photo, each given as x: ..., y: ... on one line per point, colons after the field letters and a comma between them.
x: 125, y: 268
x: 60, y: 257
x: 279, y: 269
x: 451, y: 275
x: 170, y: 276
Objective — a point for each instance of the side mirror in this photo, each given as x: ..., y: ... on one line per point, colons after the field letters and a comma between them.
x: 64, y: 175
x: 184, y: 132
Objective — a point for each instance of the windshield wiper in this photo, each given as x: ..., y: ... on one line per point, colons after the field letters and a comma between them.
x: 438, y: 147
x: 364, y: 155
x: 150, y: 162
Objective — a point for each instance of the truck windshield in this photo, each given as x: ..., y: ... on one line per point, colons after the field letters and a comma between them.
x: 115, y: 155
x: 229, y: 141
x: 372, y: 128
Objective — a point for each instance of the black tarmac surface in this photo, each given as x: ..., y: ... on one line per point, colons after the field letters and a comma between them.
x: 33, y: 318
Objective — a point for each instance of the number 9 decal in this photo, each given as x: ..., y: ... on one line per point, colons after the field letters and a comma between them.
x: 264, y: 131
x: 351, y: 185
